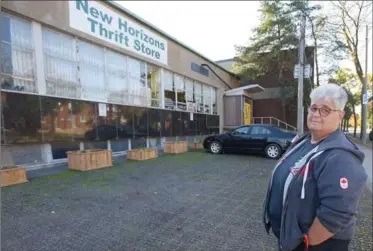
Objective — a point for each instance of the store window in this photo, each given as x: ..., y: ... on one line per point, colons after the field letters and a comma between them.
x: 169, y: 91
x: 60, y: 64
x: 207, y: 99
x: 198, y: 96
x: 213, y: 100
x: 154, y: 84
x: 139, y: 93
x: 92, y: 71
x: 180, y: 92
x: 17, y: 55
x: 189, y: 95
x: 116, y: 75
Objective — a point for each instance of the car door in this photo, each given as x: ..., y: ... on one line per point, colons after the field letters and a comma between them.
x: 258, y: 137
x: 237, y: 139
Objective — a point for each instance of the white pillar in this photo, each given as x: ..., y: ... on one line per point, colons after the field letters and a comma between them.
x: 129, y: 144
x: 81, y: 146
x: 37, y: 37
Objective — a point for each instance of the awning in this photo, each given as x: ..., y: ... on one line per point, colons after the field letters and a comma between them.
x: 247, y: 89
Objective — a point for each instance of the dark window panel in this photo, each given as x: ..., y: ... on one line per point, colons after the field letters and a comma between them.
x: 22, y: 123
x: 154, y: 123
x: 166, y: 123
x: 59, y: 149
x: 125, y: 122
x: 176, y: 123
x: 192, y: 125
x: 85, y: 123
x: 95, y: 145
x: 184, y: 123
x: 202, y: 124
x: 137, y: 143
x: 213, y: 124
x: 56, y: 119
x: 108, y: 125
x: 119, y: 145
x: 140, y: 122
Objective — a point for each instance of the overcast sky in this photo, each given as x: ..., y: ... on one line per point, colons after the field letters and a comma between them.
x: 210, y: 27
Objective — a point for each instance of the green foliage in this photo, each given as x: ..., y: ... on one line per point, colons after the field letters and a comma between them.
x: 265, y: 52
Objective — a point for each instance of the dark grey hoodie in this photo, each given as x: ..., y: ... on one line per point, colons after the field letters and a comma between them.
x: 328, y: 183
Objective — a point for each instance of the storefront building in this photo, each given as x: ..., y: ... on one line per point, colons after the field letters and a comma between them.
x: 86, y: 74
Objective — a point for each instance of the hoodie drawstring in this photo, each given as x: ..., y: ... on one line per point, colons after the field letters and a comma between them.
x: 307, y: 168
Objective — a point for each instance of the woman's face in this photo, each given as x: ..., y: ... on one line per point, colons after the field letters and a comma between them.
x: 323, y: 117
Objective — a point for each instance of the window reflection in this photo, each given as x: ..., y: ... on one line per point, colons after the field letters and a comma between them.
x: 60, y: 64
x: 198, y: 96
x: 213, y: 101
x: 207, y: 99
x: 184, y: 123
x: 57, y: 122
x: 107, y: 125
x: 212, y: 124
x: 17, y: 54
x: 154, y: 82
x: 202, y: 127
x: 84, y: 120
x: 139, y: 93
x: 176, y: 123
x: 22, y: 123
x: 169, y: 91
x: 154, y: 123
x: 92, y: 71
x: 166, y: 123
x: 116, y: 66
x: 140, y: 122
x: 189, y: 95
x: 125, y: 122
x: 180, y: 90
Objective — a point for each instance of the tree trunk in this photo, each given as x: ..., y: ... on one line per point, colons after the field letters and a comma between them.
x: 355, y: 119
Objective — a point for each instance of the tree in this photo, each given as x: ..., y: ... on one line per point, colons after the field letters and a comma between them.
x: 266, y: 51
x: 349, y: 81
x: 349, y: 22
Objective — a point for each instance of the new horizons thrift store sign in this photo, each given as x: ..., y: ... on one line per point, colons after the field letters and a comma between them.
x: 94, y: 18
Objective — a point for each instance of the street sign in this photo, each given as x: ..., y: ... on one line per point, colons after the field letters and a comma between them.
x: 307, y: 71
x: 365, y: 99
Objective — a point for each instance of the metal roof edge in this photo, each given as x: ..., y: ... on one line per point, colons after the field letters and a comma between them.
x: 146, y: 23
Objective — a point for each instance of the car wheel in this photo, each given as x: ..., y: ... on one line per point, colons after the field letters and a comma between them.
x: 216, y: 147
x: 273, y: 151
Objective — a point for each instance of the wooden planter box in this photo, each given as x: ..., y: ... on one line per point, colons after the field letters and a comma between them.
x: 89, y: 160
x: 142, y: 154
x: 175, y: 147
x: 196, y: 145
x: 12, y: 176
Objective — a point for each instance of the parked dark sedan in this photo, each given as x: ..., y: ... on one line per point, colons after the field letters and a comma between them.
x: 255, y: 138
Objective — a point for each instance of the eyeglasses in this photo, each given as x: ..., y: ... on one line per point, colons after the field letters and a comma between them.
x: 323, y: 111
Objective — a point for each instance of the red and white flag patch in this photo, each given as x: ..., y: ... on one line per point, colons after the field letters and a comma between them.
x: 343, y: 182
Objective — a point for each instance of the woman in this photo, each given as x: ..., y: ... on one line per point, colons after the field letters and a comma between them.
x: 316, y: 186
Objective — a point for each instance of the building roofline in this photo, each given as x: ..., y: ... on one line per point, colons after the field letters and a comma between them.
x: 225, y: 60
x: 153, y: 27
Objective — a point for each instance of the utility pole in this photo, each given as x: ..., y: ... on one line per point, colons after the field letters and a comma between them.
x: 365, y: 94
x: 300, y: 110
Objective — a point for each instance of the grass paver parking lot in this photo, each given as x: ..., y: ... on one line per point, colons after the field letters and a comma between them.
x: 192, y: 201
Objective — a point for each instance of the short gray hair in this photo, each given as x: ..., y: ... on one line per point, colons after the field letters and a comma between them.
x: 335, y: 92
